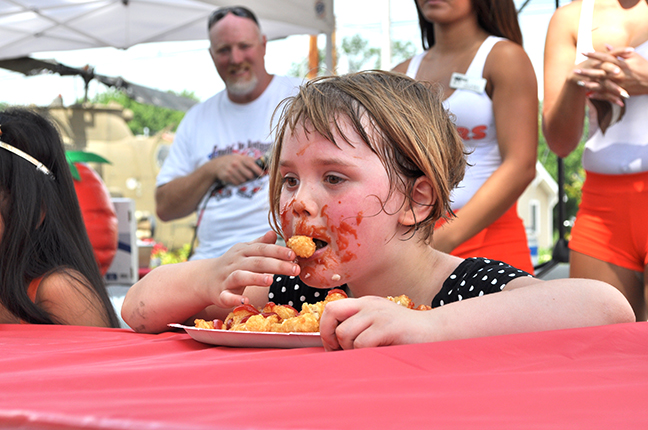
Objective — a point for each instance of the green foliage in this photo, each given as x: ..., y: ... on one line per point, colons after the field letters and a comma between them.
x: 145, y: 117
x: 177, y: 255
x: 544, y: 255
x: 574, y: 175
x: 359, y: 54
x: 161, y: 255
x: 401, y: 51
x: 300, y: 69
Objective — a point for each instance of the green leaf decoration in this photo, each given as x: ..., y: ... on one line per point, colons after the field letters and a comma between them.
x: 74, y: 171
x: 82, y: 157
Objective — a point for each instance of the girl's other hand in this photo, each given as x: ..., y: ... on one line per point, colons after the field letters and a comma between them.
x: 370, y: 321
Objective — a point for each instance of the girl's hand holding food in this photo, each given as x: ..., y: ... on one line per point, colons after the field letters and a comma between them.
x: 250, y: 264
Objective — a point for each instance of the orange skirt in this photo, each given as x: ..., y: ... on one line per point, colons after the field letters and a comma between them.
x: 611, y: 223
x: 504, y: 240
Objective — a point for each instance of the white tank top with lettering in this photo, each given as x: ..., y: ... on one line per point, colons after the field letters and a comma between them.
x: 473, y: 112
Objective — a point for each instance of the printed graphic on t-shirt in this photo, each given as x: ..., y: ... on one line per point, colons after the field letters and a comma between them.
x: 248, y: 191
x: 251, y: 149
x: 223, y: 193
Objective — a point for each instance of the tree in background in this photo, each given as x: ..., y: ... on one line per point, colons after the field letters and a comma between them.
x: 147, y: 119
x: 359, y: 53
x: 359, y: 56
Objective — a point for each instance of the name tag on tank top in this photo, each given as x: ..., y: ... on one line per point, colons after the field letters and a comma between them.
x: 459, y: 81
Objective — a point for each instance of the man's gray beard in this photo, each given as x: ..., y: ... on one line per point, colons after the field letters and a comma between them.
x: 242, y: 88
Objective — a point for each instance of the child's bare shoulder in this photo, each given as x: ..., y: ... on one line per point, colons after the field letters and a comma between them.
x: 60, y: 282
x: 67, y: 296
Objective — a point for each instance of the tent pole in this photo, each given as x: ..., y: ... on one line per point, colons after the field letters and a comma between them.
x: 313, y: 58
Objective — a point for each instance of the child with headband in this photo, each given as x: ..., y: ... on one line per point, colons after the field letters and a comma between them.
x: 48, y: 274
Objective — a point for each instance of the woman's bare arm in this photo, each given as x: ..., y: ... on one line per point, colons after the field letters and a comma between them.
x: 514, y: 95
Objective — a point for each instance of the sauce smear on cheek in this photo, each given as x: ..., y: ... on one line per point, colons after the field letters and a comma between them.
x: 343, y: 232
x: 283, y: 217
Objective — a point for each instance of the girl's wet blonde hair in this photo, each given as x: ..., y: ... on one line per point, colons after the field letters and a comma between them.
x: 401, y: 120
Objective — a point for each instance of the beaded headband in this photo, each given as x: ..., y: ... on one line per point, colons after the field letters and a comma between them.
x: 39, y: 166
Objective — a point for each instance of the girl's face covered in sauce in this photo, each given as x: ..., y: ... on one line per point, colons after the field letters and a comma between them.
x: 338, y: 195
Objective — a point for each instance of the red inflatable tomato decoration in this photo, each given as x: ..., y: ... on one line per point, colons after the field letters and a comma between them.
x: 98, y: 213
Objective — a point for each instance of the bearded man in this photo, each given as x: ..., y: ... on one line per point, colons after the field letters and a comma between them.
x: 221, y: 140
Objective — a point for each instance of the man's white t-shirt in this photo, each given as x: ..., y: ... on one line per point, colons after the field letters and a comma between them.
x: 218, y: 127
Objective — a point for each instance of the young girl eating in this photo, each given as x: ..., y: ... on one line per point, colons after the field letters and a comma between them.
x: 364, y: 164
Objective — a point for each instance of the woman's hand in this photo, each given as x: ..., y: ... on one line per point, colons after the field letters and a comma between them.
x: 614, y: 75
x: 633, y: 69
x: 371, y: 321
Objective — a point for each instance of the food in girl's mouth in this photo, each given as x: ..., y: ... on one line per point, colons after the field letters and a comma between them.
x: 303, y: 246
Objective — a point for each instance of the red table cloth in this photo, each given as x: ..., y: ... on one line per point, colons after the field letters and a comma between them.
x: 55, y: 377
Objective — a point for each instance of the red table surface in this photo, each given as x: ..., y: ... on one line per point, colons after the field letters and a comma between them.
x: 54, y: 377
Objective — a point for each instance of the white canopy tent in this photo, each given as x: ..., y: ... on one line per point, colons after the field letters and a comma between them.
x: 30, y: 26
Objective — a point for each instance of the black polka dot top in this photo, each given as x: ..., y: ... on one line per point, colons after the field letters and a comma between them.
x: 472, y: 278
x: 290, y: 290
x: 475, y: 277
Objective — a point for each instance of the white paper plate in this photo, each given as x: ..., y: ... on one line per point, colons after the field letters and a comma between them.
x: 252, y: 339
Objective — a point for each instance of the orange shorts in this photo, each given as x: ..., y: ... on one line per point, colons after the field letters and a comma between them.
x: 503, y: 240
x: 611, y: 223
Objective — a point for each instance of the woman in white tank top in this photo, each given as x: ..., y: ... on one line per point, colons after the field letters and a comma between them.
x: 596, y: 54
x: 473, y: 50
